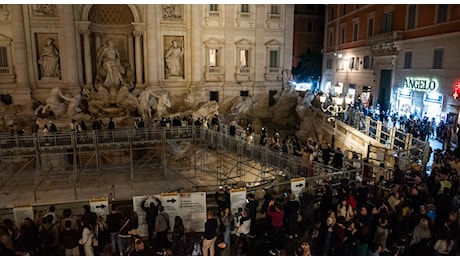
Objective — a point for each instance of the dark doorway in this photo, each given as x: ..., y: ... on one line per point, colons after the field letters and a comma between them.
x: 385, y: 87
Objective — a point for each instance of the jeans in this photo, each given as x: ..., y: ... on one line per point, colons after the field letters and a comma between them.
x: 123, y: 243
x: 227, y: 233
x: 327, y: 243
x: 114, y: 240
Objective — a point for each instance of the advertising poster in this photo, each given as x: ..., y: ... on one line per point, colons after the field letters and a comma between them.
x: 137, y: 201
x: 171, y: 202
x: 99, y: 206
x: 21, y: 212
x: 193, y: 211
x: 237, y: 199
x: 296, y: 186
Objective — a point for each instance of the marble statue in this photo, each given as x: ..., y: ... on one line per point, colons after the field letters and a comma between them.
x: 49, y: 60
x: 173, y: 60
x: 53, y: 103
x: 74, y: 103
x: 109, y: 69
x: 163, y: 103
x: 147, y: 102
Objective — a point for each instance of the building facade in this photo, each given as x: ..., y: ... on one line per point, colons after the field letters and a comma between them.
x: 193, y: 52
x: 400, y: 58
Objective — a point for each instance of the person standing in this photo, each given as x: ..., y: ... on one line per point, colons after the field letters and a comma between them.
x: 151, y: 214
x: 210, y: 235
x: 114, y: 224
x: 276, y: 213
x: 87, y: 238
x: 70, y: 239
x: 227, y: 220
x: 162, y: 227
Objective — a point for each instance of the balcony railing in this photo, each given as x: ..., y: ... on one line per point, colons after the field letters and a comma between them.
x: 274, y: 16
x: 384, y: 37
x: 245, y: 15
x: 6, y: 70
x: 214, y: 14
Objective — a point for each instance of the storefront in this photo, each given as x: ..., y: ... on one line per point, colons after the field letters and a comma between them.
x: 405, y: 102
x: 432, y: 105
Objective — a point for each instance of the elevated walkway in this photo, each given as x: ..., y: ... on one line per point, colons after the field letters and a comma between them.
x: 69, y: 167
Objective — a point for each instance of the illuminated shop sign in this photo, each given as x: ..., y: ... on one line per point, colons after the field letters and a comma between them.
x: 433, y: 98
x: 421, y: 84
x: 405, y: 93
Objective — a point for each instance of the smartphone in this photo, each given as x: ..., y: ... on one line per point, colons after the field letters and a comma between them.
x: 285, y: 194
x: 247, y: 201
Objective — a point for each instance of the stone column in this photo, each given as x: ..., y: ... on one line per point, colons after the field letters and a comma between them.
x: 19, y: 46
x: 129, y: 40
x: 98, y: 40
x: 138, y: 58
x: 87, y: 57
x: 68, y: 39
x: 193, y: 58
x: 154, y: 40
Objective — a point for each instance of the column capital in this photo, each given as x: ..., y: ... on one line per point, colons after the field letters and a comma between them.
x: 138, y: 33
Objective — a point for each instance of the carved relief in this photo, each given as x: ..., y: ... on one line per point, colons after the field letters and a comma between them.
x: 4, y: 13
x: 172, y: 11
x: 44, y: 9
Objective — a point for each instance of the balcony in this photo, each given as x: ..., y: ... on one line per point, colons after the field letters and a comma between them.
x: 214, y: 14
x: 7, y: 75
x: 246, y: 16
x: 384, y: 38
x: 274, y: 17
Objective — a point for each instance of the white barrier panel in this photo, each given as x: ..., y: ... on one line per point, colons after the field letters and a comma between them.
x: 21, y: 212
x: 171, y: 203
x: 237, y: 199
x: 193, y: 211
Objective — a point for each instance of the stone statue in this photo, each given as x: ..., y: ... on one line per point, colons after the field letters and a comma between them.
x: 163, y: 103
x: 173, y: 58
x: 53, y: 103
x: 49, y: 60
x: 109, y: 68
x: 74, y: 103
x: 147, y: 101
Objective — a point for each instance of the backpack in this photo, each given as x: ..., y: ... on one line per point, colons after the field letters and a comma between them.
x: 47, y: 235
x: 196, y: 249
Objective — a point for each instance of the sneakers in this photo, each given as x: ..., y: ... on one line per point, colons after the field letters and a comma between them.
x: 295, y: 235
x: 272, y: 252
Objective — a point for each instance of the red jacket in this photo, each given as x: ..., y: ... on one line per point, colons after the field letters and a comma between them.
x: 277, y: 217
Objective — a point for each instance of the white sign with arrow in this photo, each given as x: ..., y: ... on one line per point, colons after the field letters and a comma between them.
x: 171, y: 203
x: 100, y: 206
x: 297, y: 185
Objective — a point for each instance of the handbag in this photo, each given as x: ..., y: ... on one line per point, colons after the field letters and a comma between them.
x: 95, y: 241
x: 299, y: 217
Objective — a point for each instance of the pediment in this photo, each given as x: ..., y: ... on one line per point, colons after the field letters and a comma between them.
x: 214, y: 42
x: 273, y: 43
x: 244, y: 42
x: 3, y: 38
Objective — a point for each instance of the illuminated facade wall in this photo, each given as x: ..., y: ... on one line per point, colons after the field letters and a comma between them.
x: 377, y: 48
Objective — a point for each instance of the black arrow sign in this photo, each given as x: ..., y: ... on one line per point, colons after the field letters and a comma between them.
x: 299, y: 185
x: 171, y: 200
x: 102, y: 206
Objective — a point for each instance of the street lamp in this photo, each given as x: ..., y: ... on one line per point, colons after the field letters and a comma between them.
x: 334, y: 105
